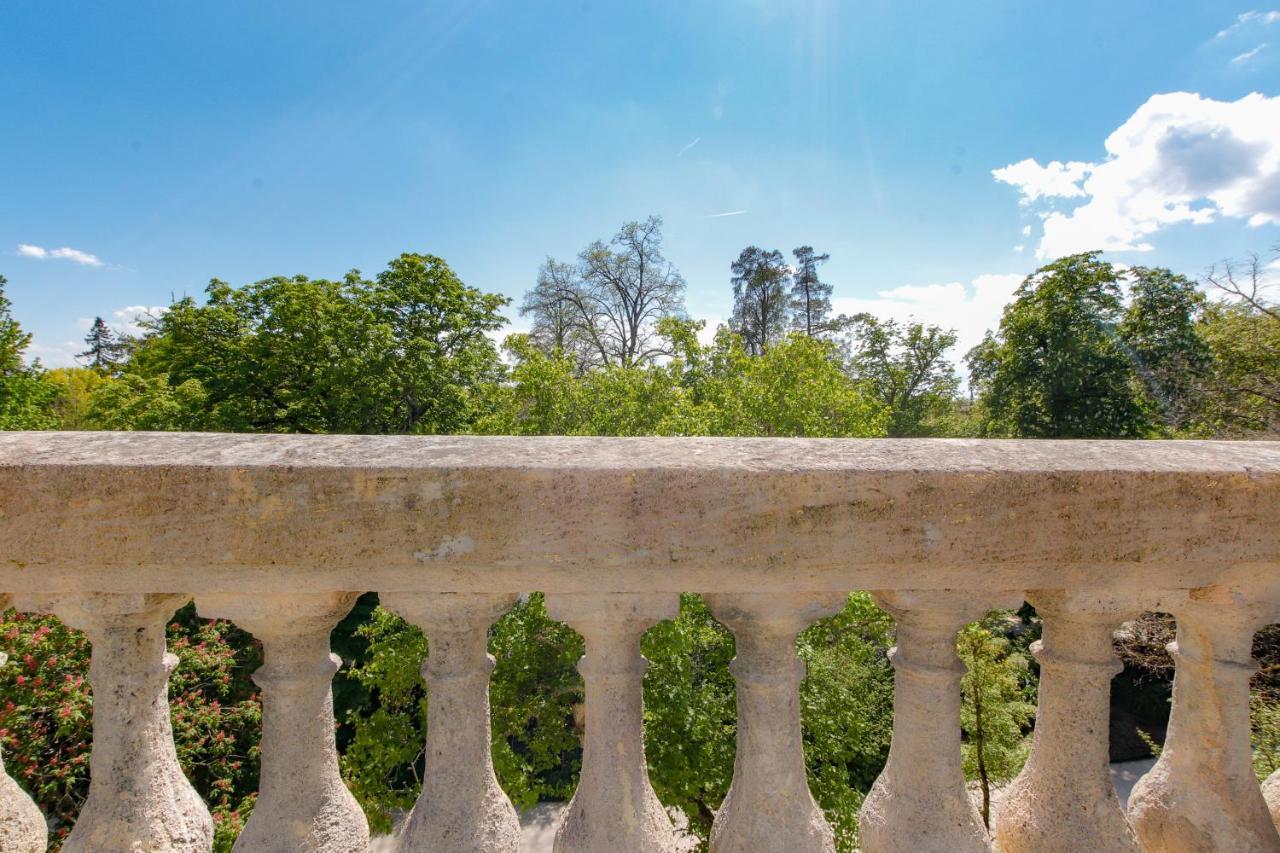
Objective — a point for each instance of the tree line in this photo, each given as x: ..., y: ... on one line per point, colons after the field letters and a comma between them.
x: 1084, y: 349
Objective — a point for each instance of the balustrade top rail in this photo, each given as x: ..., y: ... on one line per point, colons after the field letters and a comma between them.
x: 141, y: 512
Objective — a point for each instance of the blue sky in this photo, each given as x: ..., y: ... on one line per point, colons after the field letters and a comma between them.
x: 937, y: 151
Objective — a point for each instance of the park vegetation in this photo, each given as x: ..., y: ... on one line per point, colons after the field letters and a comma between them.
x: 1084, y: 350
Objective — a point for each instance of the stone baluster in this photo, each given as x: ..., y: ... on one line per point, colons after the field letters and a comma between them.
x: 139, y: 798
x: 303, y: 805
x: 919, y: 802
x: 1064, y: 799
x: 1202, y: 793
x: 614, y: 808
x: 1271, y: 794
x: 461, y: 809
x: 22, y: 827
x: 769, y: 805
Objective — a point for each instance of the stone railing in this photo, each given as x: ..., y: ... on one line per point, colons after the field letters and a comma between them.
x: 113, y: 532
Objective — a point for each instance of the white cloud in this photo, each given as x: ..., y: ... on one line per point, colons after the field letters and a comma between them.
x: 1259, y: 18
x: 970, y: 310
x: 1019, y: 247
x: 1247, y: 55
x: 128, y: 319
x: 685, y: 149
x: 1026, y: 230
x: 53, y: 355
x: 27, y: 250
x: 1056, y: 180
x: 1178, y: 158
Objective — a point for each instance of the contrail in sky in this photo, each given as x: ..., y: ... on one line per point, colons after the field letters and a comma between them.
x: 690, y: 145
x: 726, y: 213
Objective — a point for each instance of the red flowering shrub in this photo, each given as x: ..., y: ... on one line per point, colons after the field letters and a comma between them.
x: 46, y: 713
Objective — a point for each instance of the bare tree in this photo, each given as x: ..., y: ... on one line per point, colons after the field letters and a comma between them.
x: 1247, y: 280
x: 627, y: 286
x: 561, y: 313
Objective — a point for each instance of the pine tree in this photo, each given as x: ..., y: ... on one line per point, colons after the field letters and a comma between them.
x: 759, y: 298
x: 810, y: 297
x: 105, y: 349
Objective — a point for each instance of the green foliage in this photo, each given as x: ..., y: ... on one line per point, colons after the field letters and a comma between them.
x: 846, y: 708
x: 533, y: 690
x: 405, y: 352
x: 1058, y: 368
x: 133, y: 402
x: 810, y: 296
x: 1242, y: 390
x: 47, y: 713
x: 761, y: 306
x: 1164, y: 344
x: 75, y: 387
x: 382, y: 763
x: 1264, y: 718
x: 689, y: 712
x: 796, y: 388
x: 906, y: 368
x: 997, y: 707
x: 26, y: 395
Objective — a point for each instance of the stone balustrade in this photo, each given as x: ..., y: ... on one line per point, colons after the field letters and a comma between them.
x: 113, y: 532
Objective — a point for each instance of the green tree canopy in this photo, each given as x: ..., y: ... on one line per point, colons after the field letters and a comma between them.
x: 906, y: 368
x: 1163, y: 340
x: 405, y: 352
x: 26, y: 396
x: 1057, y: 367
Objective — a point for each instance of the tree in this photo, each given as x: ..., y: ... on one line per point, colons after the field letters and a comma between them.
x: 135, y: 402
x: 810, y: 297
x: 406, y: 352
x: 76, y: 388
x: 1247, y: 282
x: 995, y: 708
x: 1057, y: 368
x: 104, y: 349
x: 1241, y: 394
x: 627, y: 287
x: 1169, y: 355
x: 25, y: 393
x: 439, y: 349
x: 907, y: 369
x: 759, y: 298
x: 556, y: 305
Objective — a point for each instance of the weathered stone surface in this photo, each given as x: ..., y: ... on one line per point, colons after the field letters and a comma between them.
x: 22, y: 827
x: 303, y: 805
x: 919, y: 802
x: 139, y: 512
x: 1202, y: 794
x: 614, y: 809
x: 1064, y: 800
x: 769, y: 805
x: 462, y: 808
x: 1271, y: 793
x: 139, y: 798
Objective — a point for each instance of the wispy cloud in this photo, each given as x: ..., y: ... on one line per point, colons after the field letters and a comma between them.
x: 690, y: 145
x: 77, y: 256
x: 1247, y: 55
x: 1260, y: 18
x: 726, y: 213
